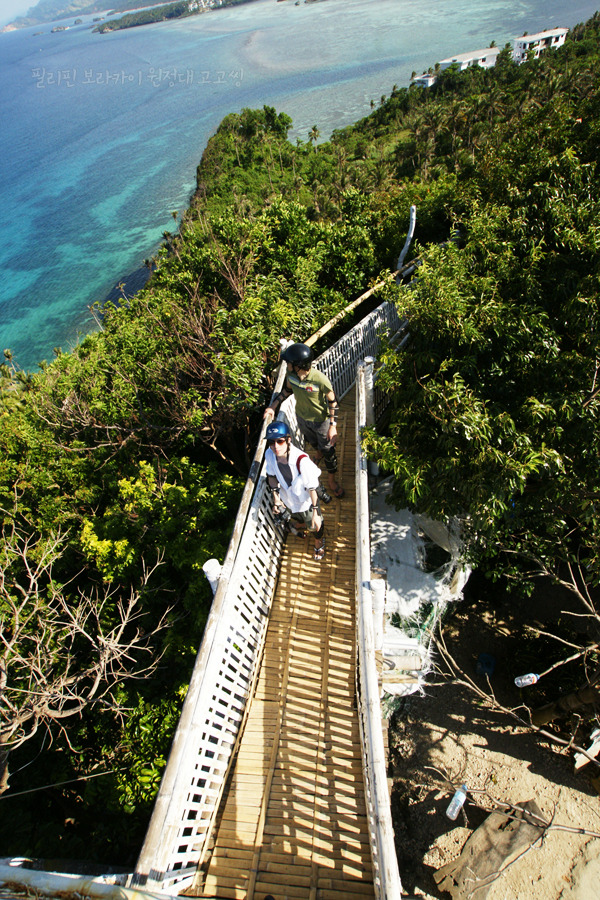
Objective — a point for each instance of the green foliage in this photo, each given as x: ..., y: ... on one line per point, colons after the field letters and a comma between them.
x: 495, y: 415
x: 179, y: 512
x: 103, y: 767
x: 134, y: 446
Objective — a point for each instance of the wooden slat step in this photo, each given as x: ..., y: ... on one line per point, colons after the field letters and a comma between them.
x: 226, y: 881
x: 279, y: 862
x: 294, y: 877
x: 365, y: 889
x: 325, y: 807
x: 229, y: 867
x: 297, y: 786
x: 263, y: 888
x: 332, y: 846
x: 301, y: 869
x: 305, y: 832
x: 240, y: 816
x: 237, y: 855
x: 234, y: 836
x: 223, y: 894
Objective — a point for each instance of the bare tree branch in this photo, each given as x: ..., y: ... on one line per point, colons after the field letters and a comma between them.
x: 62, y: 650
x: 489, y: 698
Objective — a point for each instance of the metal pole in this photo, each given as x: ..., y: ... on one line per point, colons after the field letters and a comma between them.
x: 409, y: 236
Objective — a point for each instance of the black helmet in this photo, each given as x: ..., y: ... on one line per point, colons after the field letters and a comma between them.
x: 277, y: 430
x: 298, y: 355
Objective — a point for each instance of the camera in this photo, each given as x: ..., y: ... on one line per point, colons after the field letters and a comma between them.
x: 283, y: 517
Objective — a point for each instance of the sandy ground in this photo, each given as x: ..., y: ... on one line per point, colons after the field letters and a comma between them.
x: 448, y: 735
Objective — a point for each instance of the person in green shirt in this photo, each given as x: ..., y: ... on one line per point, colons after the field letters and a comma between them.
x: 316, y: 407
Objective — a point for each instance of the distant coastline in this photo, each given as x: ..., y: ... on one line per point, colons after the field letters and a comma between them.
x: 179, y: 9
x: 47, y: 11
x: 133, y: 15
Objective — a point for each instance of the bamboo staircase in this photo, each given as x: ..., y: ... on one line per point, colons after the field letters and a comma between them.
x: 292, y: 823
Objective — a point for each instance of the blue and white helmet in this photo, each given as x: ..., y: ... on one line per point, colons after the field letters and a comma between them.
x: 277, y: 430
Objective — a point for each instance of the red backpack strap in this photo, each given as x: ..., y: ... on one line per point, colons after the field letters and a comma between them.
x: 302, y: 456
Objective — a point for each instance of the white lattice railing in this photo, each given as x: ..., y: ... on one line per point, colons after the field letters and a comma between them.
x: 226, y: 664
x: 386, y: 877
x: 340, y: 360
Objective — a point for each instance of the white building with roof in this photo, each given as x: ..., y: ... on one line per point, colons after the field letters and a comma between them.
x: 551, y: 38
x: 484, y: 58
x: 425, y: 80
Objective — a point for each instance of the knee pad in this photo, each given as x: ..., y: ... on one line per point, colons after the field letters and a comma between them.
x: 330, y: 459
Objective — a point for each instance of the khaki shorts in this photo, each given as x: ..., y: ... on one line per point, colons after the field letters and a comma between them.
x: 305, y: 517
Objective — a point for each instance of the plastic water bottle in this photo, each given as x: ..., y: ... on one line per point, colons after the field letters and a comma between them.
x: 457, y: 802
x: 522, y: 681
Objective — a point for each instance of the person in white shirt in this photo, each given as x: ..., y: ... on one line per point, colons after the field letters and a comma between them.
x: 293, y: 479
x: 316, y: 410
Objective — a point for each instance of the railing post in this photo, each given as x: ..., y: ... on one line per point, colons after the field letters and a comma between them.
x: 386, y: 876
x: 369, y: 382
x: 212, y: 568
x: 369, y: 366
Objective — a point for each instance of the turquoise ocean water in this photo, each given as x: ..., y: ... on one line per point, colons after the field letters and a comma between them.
x: 101, y: 134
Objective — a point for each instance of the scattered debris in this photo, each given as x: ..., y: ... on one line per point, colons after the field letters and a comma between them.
x: 498, y: 842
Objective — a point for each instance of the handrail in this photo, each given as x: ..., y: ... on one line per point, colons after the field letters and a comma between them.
x: 402, y: 272
x: 41, y: 884
x: 386, y: 877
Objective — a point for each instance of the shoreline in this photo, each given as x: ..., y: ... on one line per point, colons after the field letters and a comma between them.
x: 320, y: 98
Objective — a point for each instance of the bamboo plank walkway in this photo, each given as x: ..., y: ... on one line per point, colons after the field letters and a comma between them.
x: 293, y: 821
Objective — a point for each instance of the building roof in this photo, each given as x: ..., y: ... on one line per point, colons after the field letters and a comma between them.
x: 549, y: 32
x: 475, y: 54
x: 427, y: 79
